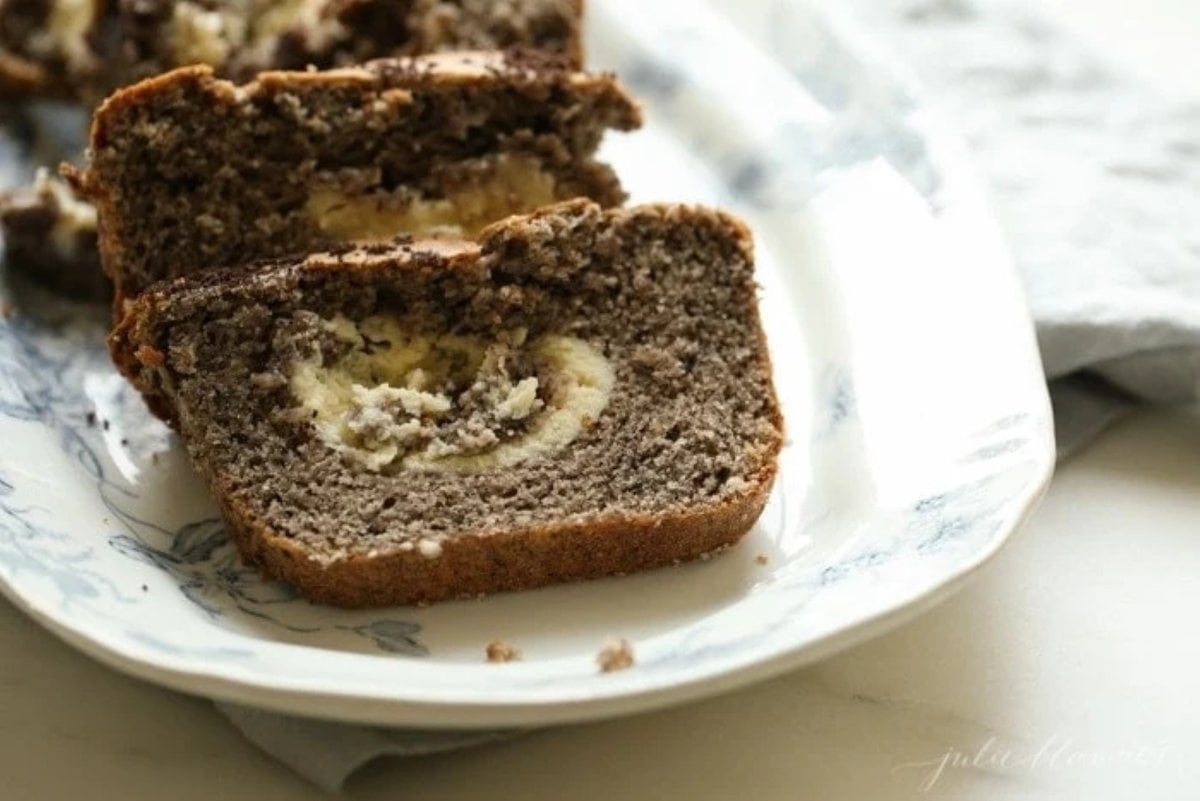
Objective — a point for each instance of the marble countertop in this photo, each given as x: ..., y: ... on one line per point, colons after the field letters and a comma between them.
x: 1069, y: 669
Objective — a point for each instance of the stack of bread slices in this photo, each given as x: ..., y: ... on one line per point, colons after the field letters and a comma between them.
x: 411, y: 338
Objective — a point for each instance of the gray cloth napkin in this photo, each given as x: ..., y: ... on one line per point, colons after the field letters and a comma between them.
x: 327, y: 754
x: 1096, y: 181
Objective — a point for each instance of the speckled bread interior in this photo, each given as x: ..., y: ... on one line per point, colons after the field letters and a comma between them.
x: 678, y: 463
x: 85, y: 49
x: 245, y: 37
x: 189, y: 172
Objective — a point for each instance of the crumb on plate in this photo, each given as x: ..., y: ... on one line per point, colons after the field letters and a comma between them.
x: 499, y: 651
x: 615, y: 654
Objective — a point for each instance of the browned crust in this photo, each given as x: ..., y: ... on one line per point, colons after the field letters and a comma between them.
x: 416, y: 72
x: 499, y: 561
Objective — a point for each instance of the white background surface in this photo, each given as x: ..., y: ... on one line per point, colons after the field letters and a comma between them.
x: 1070, y: 669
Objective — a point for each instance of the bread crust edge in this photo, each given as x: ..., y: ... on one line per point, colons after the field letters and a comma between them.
x: 470, y: 566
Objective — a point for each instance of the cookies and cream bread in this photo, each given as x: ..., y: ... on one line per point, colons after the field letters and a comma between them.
x: 50, y: 236
x: 48, y: 48
x: 241, y: 38
x: 581, y: 393
x: 70, y: 50
x: 85, y: 49
x: 190, y: 172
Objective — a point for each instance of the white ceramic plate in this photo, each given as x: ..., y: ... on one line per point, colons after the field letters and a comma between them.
x: 918, y: 424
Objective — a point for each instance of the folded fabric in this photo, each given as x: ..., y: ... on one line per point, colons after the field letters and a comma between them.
x: 1094, y: 178
x: 329, y: 753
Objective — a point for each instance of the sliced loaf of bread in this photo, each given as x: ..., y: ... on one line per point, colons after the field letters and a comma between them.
x: 84, y: 49
x: 243, y: 37
x: 50, y: 236
x: 189, y: 172
x: 582, y: 393
x: 48, y: 48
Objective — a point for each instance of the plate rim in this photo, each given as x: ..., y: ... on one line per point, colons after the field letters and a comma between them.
x: 222, y: 683
x: 349, y: 707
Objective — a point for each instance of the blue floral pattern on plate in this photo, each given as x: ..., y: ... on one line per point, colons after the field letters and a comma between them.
x: 918, y: 424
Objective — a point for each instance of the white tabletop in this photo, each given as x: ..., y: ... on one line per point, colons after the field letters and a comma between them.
x: 1069, y: 669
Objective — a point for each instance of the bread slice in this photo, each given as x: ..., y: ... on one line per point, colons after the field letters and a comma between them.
x: 85, y: 49
x: 70, y: 50
x: 50, y: 236
x: 189, y: 172
x: 582, y: 393
x: 241, y: 38
x: 47, y: 47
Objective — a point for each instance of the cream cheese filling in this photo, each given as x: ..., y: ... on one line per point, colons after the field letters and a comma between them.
x: 402, y: 400
x: 201, y: 36
x: 275, y: 19
x: 69, y: 24
x: 513, y: 185
x: 74, y: 216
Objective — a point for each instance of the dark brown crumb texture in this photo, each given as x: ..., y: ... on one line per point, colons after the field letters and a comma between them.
x: 190, y: 172
x: 45, y: 52
x: 678, y: 463
x: 67, y: 50
x: 249, y: 36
